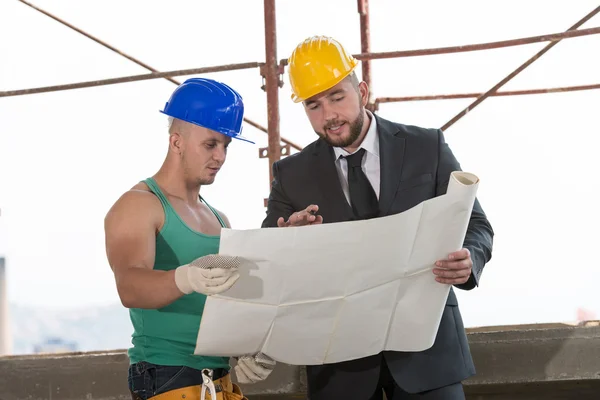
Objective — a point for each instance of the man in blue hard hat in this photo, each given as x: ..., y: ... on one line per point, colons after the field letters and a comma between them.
x: 162, y: 243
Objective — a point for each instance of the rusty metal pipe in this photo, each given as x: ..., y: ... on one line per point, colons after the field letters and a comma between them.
x: 564, y: 89
x: 527, y: 63
x: 127, y: 56
x: 476, y: 47
x: 284, y: 140
x: 132, y: 78
x: 272, y: 85
x: 95, y: 39
x: 365, y: 44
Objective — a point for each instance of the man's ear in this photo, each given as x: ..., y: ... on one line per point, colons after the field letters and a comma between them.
x: 176, y: 142
x: 363, y: 91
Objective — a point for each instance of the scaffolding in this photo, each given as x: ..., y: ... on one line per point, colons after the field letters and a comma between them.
x: 272, y: 71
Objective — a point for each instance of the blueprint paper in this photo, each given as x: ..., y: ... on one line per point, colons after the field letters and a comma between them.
x: 335, y: 292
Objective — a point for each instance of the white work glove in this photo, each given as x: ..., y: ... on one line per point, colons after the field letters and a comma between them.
x: 252, y: 369
x: 208, y: 275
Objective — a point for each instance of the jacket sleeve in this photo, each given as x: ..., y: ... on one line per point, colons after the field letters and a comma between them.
x: 479, y: 236
x: 278, y: 204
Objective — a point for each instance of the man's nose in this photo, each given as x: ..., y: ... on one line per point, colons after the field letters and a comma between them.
x: 329, y: 112
x: 219, y: 153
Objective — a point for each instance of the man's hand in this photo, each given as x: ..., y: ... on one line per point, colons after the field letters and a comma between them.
x: 308, y: 216
x: 252, y: 369
x: 208, y: 275
x: 456, y: 269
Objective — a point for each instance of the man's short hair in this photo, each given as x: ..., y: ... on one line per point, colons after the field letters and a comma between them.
x: 353, y: 80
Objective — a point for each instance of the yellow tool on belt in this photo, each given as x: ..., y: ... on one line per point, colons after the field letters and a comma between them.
x: 220, y: 389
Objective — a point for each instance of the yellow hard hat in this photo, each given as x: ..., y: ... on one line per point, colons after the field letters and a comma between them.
x: 317, y: 64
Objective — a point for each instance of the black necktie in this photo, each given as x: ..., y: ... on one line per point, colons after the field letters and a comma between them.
x: 362, y: 196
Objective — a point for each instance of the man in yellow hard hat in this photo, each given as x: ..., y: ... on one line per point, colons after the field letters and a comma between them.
x: 364, y: 166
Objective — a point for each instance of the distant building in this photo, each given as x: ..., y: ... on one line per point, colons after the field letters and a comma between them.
x: 55, y: 345
x: 5, y: 331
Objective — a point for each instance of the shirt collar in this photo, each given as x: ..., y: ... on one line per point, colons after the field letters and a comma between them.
x: 370, y: 143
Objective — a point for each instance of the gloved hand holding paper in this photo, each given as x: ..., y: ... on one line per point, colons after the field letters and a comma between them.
x: 335, y: 292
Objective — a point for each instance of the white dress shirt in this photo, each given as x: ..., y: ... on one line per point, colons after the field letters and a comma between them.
x: 370, y: 161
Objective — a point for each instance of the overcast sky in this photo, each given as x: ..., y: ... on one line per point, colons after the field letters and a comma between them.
x: 65, y: 157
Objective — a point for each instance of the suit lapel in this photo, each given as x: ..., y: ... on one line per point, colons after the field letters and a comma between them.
x: 391, y: 154
x: 329, y: 182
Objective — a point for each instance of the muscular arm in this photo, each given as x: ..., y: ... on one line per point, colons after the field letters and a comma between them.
x: 130, y: 233
x: 479, y: 236
x: 278, y: 205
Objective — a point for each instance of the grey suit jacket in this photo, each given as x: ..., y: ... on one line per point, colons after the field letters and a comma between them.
x: 415, y: 166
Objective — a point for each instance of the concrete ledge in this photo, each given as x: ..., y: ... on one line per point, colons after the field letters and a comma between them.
x: 552, y: 361
x: 536, y: 354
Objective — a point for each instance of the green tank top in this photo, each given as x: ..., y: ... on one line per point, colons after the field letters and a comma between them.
x: 167, y: 336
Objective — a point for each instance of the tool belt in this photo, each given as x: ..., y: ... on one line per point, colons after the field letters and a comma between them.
x: 221, y: 389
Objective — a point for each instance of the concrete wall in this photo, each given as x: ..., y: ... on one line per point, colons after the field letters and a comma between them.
x: 516, y: 362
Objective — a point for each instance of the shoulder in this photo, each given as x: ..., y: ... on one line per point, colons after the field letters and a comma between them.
x: 223, y: 217
x: 136, y: 206
x: 408, y: 131
x: 420, y: 132
x: 300, y: 159
x: 138, y: 197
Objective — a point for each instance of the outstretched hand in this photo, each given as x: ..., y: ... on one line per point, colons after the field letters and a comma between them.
x: 308, y: 216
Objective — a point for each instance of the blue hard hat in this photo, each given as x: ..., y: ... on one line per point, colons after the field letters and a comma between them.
x: 209, y: 104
